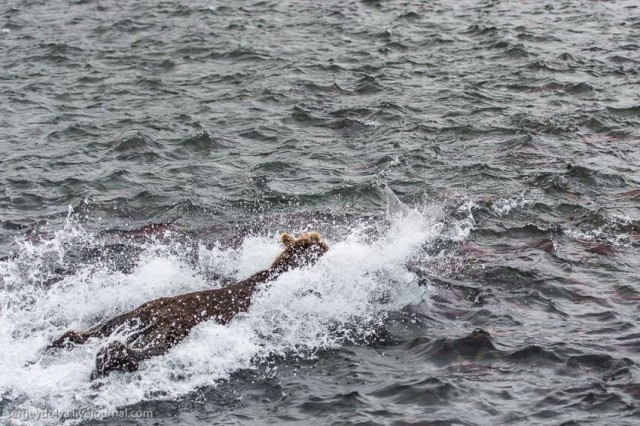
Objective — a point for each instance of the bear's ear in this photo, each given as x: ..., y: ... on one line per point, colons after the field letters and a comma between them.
x: 287, y: 239
x: 314, y: 236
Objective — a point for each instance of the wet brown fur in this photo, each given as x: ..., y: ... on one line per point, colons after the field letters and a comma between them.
x: 158, y: 325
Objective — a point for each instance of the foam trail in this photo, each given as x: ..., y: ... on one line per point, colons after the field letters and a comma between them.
x: 345, y: 294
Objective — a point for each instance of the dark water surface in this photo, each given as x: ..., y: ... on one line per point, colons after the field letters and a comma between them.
x: 474, y: 165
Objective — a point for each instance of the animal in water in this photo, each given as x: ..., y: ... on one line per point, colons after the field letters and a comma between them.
x: 156, y: 326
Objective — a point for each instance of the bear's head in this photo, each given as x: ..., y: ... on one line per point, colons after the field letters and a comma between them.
x: 300, y: 251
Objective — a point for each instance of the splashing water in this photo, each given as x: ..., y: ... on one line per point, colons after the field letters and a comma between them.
x: 344, y: 296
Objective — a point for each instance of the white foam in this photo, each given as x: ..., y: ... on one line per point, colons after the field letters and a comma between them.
x: 463, y: 228
x: 504, y: 206
x: 304, y: 311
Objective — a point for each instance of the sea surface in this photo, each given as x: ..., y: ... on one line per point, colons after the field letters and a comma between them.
x: 474, y: 166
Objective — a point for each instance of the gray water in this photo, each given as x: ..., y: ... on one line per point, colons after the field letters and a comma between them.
x: 474, y: 165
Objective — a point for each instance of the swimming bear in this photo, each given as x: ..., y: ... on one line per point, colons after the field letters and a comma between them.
x: 158, y: 325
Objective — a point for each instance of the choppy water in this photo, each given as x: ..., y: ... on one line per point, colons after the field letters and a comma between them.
x: 474, y: 165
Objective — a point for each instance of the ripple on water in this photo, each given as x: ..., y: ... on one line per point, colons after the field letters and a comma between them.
x: 186, y: 136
